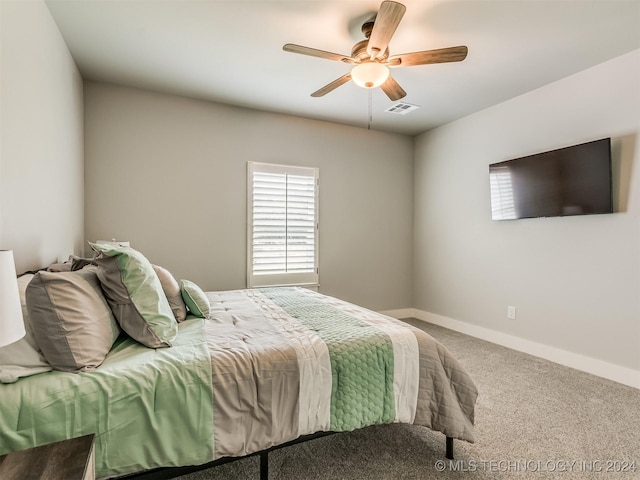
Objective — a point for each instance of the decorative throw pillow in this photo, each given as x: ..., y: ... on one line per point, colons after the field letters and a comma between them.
x: 78, y: 263
x: 135, y: 295
x: 72, y: 322
x: 172, y: 292
x: 22, y: 358
x: 59, y: 267
x: 195, y: 298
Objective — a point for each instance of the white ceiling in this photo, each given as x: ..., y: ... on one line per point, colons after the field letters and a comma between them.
x: 231, y: 51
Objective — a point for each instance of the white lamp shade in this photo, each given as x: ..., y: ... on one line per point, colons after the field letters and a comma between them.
x: 369, y: 74
x: 11, y: 321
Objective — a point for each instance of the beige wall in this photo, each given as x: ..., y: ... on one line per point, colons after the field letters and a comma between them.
x: 41, y: 140
x: 575, y: 281
x: 169, y: 174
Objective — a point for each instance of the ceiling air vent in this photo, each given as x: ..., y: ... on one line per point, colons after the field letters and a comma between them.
x: 402, y: 108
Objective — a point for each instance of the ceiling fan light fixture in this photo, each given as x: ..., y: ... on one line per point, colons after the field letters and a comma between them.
x: 369, y: 74
x: 370, y: 56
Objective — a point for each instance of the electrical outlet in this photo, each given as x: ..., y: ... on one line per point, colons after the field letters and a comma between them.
x: 511, y: 313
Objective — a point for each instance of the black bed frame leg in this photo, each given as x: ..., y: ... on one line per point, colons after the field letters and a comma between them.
x: 449, y: 452
x: 264, y: 465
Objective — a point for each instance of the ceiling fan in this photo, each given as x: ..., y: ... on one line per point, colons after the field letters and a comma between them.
x: 370, y: 57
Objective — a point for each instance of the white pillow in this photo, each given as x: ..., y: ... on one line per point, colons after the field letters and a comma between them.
x: 22, y: 358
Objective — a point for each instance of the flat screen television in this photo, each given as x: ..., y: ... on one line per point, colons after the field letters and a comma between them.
x: 573, y: 180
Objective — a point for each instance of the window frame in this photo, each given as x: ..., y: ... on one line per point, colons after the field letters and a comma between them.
x: 307, y: 279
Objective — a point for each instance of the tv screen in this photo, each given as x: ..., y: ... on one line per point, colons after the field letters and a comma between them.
x: 574, y: 180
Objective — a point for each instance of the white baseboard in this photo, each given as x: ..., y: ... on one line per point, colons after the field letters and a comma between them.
x: 401, y: 313
x: 617, y: 373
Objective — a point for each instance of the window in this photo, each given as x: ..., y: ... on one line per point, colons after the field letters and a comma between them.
x: 282, y: 225
x: 502, y: 200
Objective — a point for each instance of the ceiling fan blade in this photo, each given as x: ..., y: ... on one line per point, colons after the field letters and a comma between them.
x: 441, y: 55
x: 384, y: 27
x: 314, y: 52
x: 393, y: 90
x: 332, y: 86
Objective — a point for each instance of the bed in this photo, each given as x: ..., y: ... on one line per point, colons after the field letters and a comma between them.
x: 265, y: 367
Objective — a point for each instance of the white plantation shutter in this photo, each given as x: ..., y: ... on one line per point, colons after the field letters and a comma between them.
x: 282, y: 225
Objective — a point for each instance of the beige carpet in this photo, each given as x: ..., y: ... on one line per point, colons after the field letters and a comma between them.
x: 534, y: 419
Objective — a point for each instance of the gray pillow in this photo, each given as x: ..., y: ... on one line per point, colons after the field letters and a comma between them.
x: 172, y: 292
x: 22, y: 358
x: 135, y: 295
x: 71, y: 320
x: 78, y: 263
x: 59, y: 267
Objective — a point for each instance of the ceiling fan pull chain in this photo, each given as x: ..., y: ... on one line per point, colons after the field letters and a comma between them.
x: 370, y: 109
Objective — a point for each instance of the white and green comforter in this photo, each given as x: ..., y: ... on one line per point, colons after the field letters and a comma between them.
x: 288, y: 362
x: 269, y: 366
x: 147, y: 408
